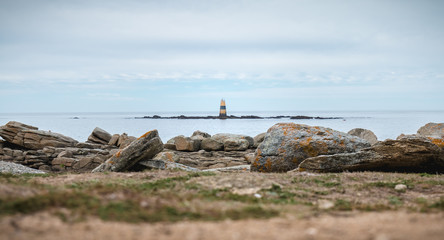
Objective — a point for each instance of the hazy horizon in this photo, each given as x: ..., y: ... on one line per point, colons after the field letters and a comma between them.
x: 184, y: 56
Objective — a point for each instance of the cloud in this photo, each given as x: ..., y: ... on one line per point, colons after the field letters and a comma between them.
x: 240, y: 48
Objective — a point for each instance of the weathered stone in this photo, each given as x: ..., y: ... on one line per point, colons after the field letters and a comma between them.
x: 236, y: 145
x: 286, y: 145
x: 100, y: 136
x: 186, y: 144
x: 239, y: 168
x: 125, y: 140
x: 199, y: 133
x: 114, y: 139
x: 145, y: 147
x: 66, y: 153
x: 222, y: 137
x: 30, y: 137
x: 258, y: 139
x: 210, y: 144
x: 166, y: 156
x: 407, y: 154
x: 364, y: 134
x: 432, y: 130
x: 159, y: 164
x: 169, y: 146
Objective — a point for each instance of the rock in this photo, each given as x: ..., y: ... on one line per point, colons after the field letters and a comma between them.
x: 432, y: 130
x: 186, y: 144
x: 222, y: 137
x: 249, y: 157
x: 204, y: 160
x: 31, y: 138
x: 125, y: 140
x: 199, y: 133
x: 114, y: 139
x: 258, y: 139
x: 145, y: 147
x: 159, y: 164
x: 239, y: 168
x: 412, y: 154
x: 400, y: 187
x: 169, y: 146
x: 236, y: 145
x: 100, y: 136
x: 167, y: 156
x: 325, y: 204
x: 210, y: 144
x: 364, y: 134
x: 286, y: 145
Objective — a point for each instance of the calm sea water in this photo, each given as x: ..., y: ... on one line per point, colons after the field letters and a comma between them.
x: 384, y: 124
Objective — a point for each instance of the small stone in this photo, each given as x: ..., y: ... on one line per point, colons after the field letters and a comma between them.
x: 257, y: 195
x: 325, y: 204
x: 400, y: 187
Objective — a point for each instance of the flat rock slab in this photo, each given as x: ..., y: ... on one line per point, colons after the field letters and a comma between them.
x: 144, y: 148
x: 412, y: 154
x: 31, y: 138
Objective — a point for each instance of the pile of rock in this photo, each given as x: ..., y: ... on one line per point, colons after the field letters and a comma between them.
x: 218, y: 142
x: 290, y: 146
x: 48, y: 151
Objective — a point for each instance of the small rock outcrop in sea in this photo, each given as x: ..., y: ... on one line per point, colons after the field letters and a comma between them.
x: 364, y: 134
x: 411, y: 154
x: 145, y: 147
x: 286, y: 145
x: 31, y: 138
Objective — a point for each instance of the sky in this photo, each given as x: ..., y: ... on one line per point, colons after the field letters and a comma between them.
x: 151, y: 56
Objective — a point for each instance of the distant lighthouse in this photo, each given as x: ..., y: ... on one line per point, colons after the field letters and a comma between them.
x: 223, y: 110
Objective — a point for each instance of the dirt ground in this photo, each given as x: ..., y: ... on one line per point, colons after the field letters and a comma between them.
x: 212, y: 206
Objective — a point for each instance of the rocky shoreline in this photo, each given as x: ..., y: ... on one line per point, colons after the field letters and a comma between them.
x: 285, y: 147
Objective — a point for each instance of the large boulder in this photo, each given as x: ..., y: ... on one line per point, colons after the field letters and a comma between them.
x: 210, y: 144
x: 186, y: 144
x: 412, y: 154
x: 432, y: 130
x: 364, y: 134
x: 145, y: 147
x: 233, y: 144
x: 99, y: 136
x: 286, y: 145
x: 31, y: 138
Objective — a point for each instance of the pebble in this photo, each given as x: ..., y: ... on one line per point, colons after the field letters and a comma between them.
x: 400, y: 187
x: 14, y: 168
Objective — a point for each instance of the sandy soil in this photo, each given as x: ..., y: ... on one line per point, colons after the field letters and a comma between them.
x: 378, y: 226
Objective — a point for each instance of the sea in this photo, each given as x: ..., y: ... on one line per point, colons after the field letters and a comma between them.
x: 385, y: 124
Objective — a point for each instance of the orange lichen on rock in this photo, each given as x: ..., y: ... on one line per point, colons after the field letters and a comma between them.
x: 144, y: 135
x: 118, y: 153
x: 437, y: 141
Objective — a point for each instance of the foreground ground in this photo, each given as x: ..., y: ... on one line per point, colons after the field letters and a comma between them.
x: 180, y: 205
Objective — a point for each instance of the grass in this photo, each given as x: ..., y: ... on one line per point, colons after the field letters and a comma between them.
x: 175, y: 196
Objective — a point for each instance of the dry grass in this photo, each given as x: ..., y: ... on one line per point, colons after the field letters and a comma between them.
x: 171, y: 196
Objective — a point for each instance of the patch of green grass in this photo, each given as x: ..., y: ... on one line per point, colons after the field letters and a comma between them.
x: 438, y: 204
x: 343, y: 205
x: 384, y: 184
x: 394, y: 200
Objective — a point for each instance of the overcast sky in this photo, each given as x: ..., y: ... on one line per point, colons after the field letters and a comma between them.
x: 109, y: 56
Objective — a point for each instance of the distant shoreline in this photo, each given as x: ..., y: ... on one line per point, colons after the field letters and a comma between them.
x: 236, y: 117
